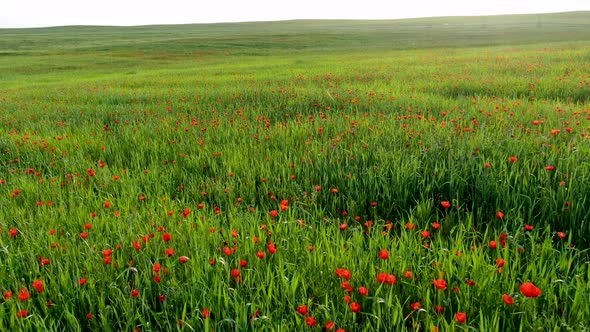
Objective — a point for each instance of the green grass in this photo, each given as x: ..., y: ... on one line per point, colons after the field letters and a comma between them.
x: 364, y: 127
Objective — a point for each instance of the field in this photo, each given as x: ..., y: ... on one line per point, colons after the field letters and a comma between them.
x: 420, y: 175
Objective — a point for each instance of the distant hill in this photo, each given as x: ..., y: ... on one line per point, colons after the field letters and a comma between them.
x: 308, y: 35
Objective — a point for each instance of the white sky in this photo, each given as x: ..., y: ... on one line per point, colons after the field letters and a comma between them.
x: 38, y: 13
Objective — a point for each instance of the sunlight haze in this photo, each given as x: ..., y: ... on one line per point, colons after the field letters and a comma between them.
x: 28, y: 13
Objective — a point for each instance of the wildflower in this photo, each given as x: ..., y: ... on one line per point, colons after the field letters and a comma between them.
x: 440, y: 284
x: 507, y: 299
x: 302, y: 309
x: 528, y: 289
x: 415, y: 306
x: 206, y: 313
x: 500, y: 262
x: 82, y: 281
x: 38, y: 285
x: 512, y: 159
x: 391, y: 279
x: 23, y: 313
x: 355, y: 307
x: 439, y: 309
x: 272, y: 249
x: 500, y: 215
x: 384, y: 254
x: 310, y: 321
x: 461, y: 317
x: 134, y: 293
x: 7, y: 295
x: 183, y: 259
x: 23, y: 294
x: 445, y: 204
x: 363, y: 291
x: 166, y: 237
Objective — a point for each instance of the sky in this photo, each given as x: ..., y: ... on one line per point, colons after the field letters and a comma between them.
x: 42, y: 13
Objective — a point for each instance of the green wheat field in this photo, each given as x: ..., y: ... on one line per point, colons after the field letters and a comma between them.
x: 405, y: 175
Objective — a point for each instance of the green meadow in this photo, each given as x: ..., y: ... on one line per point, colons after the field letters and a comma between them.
x: 310, y: 175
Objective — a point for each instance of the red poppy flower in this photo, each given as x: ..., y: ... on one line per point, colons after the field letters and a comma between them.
x: 415, y: 306
x: 23, y: 294
x: 302, y: 309
x: 440, y: 284
x: 38, y: 285
x: 382, y: 277
x: 439, y: 309
x: 82, y: 281
x: 346, y: 274
x: 363, y: 291
x: 23, y: 313
x: 166, y: 237
x: 235, y: 273
x: 330, y: 326
x: 272, y: 249
x: 499, y: 215
x: 273, y: 213
x: 507, y: 299
x: 512, y: 159
x: 134, y: 293
x: 186, y: 212
x: 493, y: 244
x: 183, y: 259
x: 445, y: 204
x: 461, y: 317
x: 528, y: 289
x: 7, y: 295
x: 355, y: 307
x: 206, y: 313
x: 391, y: 279
x: 500, y: 262
x: 310, y: 321
x: 260, y: 254
x: 384, y: 254
x: 169, y: 252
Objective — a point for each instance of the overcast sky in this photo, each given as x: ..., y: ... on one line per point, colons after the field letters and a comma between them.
x: 39, y: 13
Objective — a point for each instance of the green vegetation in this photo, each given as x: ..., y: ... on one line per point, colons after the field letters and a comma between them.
x: 263, y: 176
